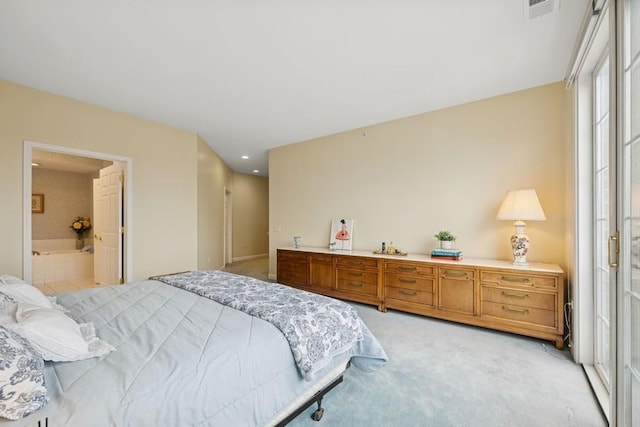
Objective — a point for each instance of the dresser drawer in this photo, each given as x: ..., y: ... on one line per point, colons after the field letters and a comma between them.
x: 424, y: 284
x: 321, y: 259
x: 409, y: 268
x: 520, y: 297
x: 418, y: 297
x: 356, y: 262
x: 516, y: 279
x: 530, y: 315
x: 361, y: 282
x: 292, y: 256
x: 292, y: 274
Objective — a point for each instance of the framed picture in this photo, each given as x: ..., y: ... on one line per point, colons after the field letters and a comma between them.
x: 37, y: 203
x: 341, y: 237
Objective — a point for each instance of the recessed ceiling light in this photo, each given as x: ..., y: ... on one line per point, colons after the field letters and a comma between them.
x: 256, y: 171
x: 35, y: 164
x: 245, y: 157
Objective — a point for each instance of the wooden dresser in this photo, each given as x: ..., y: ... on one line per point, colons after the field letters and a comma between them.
x: 489, y: 293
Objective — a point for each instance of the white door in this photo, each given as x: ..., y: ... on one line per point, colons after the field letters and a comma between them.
x: 97, y: 225
x: 108, y: 229
x: 604, y: 179
x: 628, y: 342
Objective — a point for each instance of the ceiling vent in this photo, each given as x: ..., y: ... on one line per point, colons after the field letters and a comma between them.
x: 536, y: 8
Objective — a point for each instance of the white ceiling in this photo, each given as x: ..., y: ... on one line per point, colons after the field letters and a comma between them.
x: 250, y: 75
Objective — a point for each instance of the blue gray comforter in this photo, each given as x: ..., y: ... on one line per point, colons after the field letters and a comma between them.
x: 316, y: 327
x: 180, y: 360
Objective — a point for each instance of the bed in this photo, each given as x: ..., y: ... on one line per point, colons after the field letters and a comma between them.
x: 182, y: 358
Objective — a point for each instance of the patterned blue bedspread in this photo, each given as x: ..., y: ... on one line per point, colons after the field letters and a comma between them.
x: 316, y: 327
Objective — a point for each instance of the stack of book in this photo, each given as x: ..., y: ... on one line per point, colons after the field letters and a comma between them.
x: 452, y: 254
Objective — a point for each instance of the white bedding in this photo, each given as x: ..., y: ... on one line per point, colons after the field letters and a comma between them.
x: 180, y: 360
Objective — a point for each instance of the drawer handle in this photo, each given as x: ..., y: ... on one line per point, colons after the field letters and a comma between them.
x: 403, y: 280
x: 449, y: 273
x: 516, y: 310
x: 355, y: 284
x: 355, y: 263
x: 512, y: 295
x: 516, y: 279
x: 357, y: 274
x: 410, y: 293
x: 403, y: 268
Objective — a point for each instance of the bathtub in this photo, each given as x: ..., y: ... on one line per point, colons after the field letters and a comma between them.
x: 61, y: 265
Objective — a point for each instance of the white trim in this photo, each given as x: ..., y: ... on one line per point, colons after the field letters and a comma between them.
x: 227, y: 231
x: 583, y: 47
x: 581, y: 291
x: 29, y: 146
x: 600, y: 392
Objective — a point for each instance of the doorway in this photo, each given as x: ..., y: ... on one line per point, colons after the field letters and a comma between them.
x: 608, y: 234
x: 228, y: 228
x: 29, y: 148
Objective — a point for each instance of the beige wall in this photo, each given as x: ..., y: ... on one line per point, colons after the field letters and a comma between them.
x: 213, y: 178
x: 165, y: 165
x: 404, y: 180
x: 67, y: 195
x: 250, y: 216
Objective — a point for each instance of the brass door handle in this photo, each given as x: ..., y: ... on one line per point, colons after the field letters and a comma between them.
x: 410, y: 293
x: 613, y: 238
x: 403, y: 280
x: 355, y: 284
x: 403, y: 268
x: 357, y: 274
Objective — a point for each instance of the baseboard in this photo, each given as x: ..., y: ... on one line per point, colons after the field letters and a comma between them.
x: 248, y: 257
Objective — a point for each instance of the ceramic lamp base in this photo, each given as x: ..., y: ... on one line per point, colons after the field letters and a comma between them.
x: 520, y: 244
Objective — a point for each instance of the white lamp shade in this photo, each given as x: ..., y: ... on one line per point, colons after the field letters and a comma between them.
x: 521, y: 205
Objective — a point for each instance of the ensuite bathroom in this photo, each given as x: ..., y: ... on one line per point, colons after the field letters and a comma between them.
x: 63, y: 226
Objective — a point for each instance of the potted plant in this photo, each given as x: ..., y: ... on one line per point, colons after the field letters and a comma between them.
x: 445, y: 238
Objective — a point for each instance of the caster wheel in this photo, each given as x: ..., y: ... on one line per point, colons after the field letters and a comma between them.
x: 317, y: 415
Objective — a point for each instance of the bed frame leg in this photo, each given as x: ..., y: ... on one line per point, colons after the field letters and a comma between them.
x: 316, y: 398
x: 318, y: 413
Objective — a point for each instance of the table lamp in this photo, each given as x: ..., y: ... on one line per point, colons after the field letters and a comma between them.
x: 520, y: 205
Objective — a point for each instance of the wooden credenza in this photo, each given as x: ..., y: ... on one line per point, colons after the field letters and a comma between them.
x: 489, y: 293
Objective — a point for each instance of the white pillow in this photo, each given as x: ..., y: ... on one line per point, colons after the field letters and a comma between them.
x: 8, y: 312
x: 24, y: 292
x: 56, y: 336
x: 6, y: 279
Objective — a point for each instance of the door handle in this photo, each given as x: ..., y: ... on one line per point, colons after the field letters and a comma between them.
x: 614, y: 238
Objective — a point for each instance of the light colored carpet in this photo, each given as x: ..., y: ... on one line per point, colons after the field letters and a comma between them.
x: 445, y: 374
